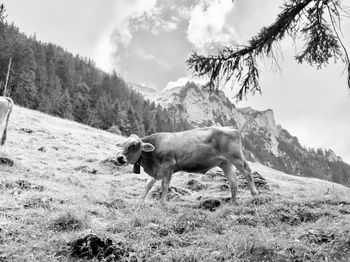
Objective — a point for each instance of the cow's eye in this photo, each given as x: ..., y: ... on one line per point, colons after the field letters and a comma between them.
x: 132, y: 146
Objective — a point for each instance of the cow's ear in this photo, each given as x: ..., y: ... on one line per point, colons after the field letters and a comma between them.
x: 147, y: 147
x: 119, y: 144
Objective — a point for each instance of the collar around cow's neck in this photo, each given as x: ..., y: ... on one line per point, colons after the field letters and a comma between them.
x: 137, y: 165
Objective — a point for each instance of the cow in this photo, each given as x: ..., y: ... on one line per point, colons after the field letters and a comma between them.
x: 196, y: 150
x: 6, y: 105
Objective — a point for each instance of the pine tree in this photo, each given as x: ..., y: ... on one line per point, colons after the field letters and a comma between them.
x: 115, y: 112
x: 41, y: 78
x: 158, y: 123
x: 54, y: 96
x: 103, y: 114
x: 81, y: 110
x: 146, y: 116
x: 140, y: 125
x: 152, y: 129
x: 2, y: 16
x: 65, y: 108
x: 132, y: 118
x: 25, y: 90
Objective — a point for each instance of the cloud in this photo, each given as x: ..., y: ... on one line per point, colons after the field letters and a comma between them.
x: 179, y: 82
x: 131, y: 18
x: 153, y: 22
x: 149, y: 56
x: 118, y: 32
x: 182, y: 81
x: 208, y: 27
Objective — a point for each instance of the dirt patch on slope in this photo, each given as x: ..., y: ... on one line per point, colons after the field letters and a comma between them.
x: 6, y: 161
x: 195, y: 185
x: 22, y: 185
x: 92, y: 246
x: 173, y: 192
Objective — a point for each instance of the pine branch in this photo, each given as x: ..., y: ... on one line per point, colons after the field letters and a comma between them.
x: 298, y: 18
x: 2, y: 12
x: 336, y: 25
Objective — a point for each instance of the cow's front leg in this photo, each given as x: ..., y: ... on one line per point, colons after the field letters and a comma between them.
x: 165, y: 187
x: 149, y: 185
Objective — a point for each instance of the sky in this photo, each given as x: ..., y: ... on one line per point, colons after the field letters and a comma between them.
x: 148, y: 42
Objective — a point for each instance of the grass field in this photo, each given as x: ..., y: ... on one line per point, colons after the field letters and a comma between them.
x: 59, y: 188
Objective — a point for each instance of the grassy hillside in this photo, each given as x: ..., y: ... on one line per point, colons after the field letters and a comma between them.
x: 59, y: 189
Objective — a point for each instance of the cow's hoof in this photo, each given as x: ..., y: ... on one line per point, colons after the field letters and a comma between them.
x: 234, y: 202
x: 140, y: 204
x: 162, y: 203
x: 255, y: 193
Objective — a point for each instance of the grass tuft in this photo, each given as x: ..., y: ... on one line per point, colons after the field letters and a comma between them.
x: 67, y: 222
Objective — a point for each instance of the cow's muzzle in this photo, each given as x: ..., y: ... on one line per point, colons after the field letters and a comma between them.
x: 121, y: 159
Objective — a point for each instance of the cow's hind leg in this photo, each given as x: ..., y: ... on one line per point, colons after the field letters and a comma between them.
x: 231, y: 177
x: 243, y: 167
x: 4, y: 135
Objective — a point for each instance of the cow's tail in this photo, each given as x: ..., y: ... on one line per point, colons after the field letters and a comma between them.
x: 244, y: 160
x: 4, y: 134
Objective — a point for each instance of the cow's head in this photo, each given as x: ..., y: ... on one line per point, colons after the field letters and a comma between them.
x: 130, y: 150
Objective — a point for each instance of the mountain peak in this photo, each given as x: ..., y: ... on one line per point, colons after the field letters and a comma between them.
x: 142, y: 88
x: 332, y: 157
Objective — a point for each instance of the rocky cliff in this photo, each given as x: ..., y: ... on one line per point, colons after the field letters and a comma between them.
x: 264, y: 140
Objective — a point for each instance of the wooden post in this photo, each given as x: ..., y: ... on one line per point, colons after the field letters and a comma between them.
x: 7, y: 77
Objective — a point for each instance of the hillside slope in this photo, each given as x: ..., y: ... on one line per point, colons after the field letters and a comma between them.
x: 59, y: 187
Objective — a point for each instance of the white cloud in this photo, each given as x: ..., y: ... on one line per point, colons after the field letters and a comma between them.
x: 208, y: 25
x: 153, y: 22
x: 118, y: 30
x: 130, y: 16
x: 184, y: 12
x: 179, y: 82
x: 182, y: 81
x: 102, y: 53
x: 149, y: 56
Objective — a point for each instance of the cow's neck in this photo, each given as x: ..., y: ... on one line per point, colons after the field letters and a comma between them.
x: 148, y: 159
